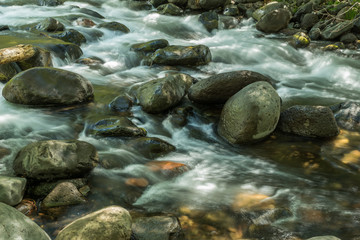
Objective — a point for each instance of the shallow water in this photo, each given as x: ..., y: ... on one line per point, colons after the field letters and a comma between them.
x: 302, y: 175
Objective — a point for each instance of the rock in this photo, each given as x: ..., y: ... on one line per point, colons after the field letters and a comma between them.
x: 315, y: 33
x: 252, y: 202
x: 50, y: 25
x: 151, y: 147
x: 304, y: 9
x: 157, y: 3
x: 150, y: 46
x: 139, y: 5
x: 356, y: 27
x: 333, y: 31
x: 274, y: 21
x: 330, y: 47
x: 182, y: 55
x: 179, y: 3
x: 114, y: 26
x: 179, y: 115
x: 7, y: 71
x: 4, y: 28
x: 64, y: 194
x: 48, y: 86
x: 251, y: 114
x: 71, y: 36
x: 137, y: 182
x: 348, y: 38
x: 348, y: 116
x: 309, y: 20
x: 161, y: 94
x: 259, y: 13
x: 27, y: 207
x: 85, y: 22
x: 54, y: 159
x: 12, y: 190
x: 91, y: 13
x: 231, y: 10
x: 157, y: 228
x: 41, y: 58
x: 324, y: 238
x: 16, y: 53
x: 121, y: 104
x: 111, y: 223
x: 300, y: 40
x: 15, y: 225
x: 219, y: 88
x: 271, y: 232
x: 51, y: 3
x: 4, y: 152
x: 42, y: 189
x: 309, y: 121
x: 167, y: 168
x: 205, y: 4
x: 169, y: 9
x: 116, y: 127
x: 210, y: 20
x: 90, y: 61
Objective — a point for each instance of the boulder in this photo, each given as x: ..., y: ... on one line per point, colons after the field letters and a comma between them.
x: 121, y: 103
x: 15, y: 225
x: 274, y: 21
x: 111, y: 223
x: 179, y: 3
x: 7, y: 71
x: 50, y: 25
x: 347, y: 116
x: 64, y: 194
x: 42, y: 189
x: 309, y: 20
x: 114, y: 26
x: 206, y: 4
x: 315, y: 33
x: 157, y: 228
x: 333, y: 31
x: 348, y: 38
x: 169, y: 9
x: 260, y: 12
x: 48, y: 87
x: 41, y: 58
x: 54, y: 159
x: 71, y: 36
x: 219, y: 88
x: 182, y: 55
x: 210, y: 20
x: 300, y: 40
x: 12, y: 190
x: 231, y: 10
x: 309, y: 121
x: 116, y: 127
x: 150, y: 46
x: 151, y: 147
x: 51, y: 3
x: 324, y: 238
x: 160, y: 94
x: 251, y: 114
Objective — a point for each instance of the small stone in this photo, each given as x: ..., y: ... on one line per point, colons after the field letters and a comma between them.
x: 64, y: 194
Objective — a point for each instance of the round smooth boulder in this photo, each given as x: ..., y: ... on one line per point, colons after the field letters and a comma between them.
x: 46, y: 86
x: 309, y: 121
x: 251, y: 114
x: 15, y: 225
x: 274, y: 21
x: 54, y: 159
x: 219, y: 88
x: 12, y: 189
x: 111, y: 223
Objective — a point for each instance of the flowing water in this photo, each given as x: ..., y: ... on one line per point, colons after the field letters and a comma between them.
x: 304, y: 176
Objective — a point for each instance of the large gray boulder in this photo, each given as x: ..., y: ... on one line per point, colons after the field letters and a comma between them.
x: 15, y: 225
x: 47, y: 87
x: 11, y: 189
x: 219, y: 88
x: 274, y: 21
x: 309, y: 121
x: 111, y: 223
x: 251, y: 114
x: 161, y: 94
x: 333, y: 31
x: 181, y: 55
x: 54, y: 159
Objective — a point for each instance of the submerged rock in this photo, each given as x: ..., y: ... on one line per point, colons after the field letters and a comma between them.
x: 151, y: 147
x: 251, y: 114
x: 54, y: 159
x: 161, y: 94
x: 274, y: 21
x: 219, y: 88
x: 12, y: 190
x: 71, y: 36
x: 121, y: 104
x: 15, y: 225
x: 111, y: 223
x: 114, y: 26
x: 167, y: 168
x: 210, y: 20
x: 50, y: 25
x: 182, y: 55
x: 309, y: 121
x: 64, y: 194
x: 47, y: 87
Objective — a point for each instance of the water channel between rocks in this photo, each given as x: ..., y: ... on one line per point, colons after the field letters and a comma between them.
x: 305, y: 176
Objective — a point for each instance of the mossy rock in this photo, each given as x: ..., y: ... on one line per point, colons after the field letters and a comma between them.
x: 210, y: 20
x: 114, y: 26
x: 71, y: 36
x: 150, y: 46
x: 170, y: 9
x: 50, y: 25
x: 41, y: 58
x: 7, y: 71
x: 151, y: 147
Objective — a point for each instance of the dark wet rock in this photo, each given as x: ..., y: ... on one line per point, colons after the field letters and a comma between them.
x: 348, y: 116
x: 51, y: 3
x: 157, y: 3
x: 64, y: 194
x: 160, y: 94
x: 333, y: 31
x: 182, y: 55
x: 309, y: 121
x: 274, y: 21
x: 348, y: 38
x: 179, y: 3
x: 231, y: 10
x: 139, y: 5
x: 121, y: 103
x: 167, y: 168
x: 116, y: 127
x: 71, y: 36
x: 114, y: 26
x: 15, y: 225
x: 309, y: 20
x: 229, y: 22
x: 259, y: 13
x: 356, y: 27
x: 328, y: 237
x: 27, y: 207
x: 42, y: 189
x: 4, y: 28
x: 300, y: 40
x: 170, y: 9
x: 315, y: 33
x: 90, y: 13
x: 306, y: 8
x: 219, y: 88
x: 48, y: 86
x: 113, y: 222
x: 205, y: 4
x: 150, y: 46
x: 7, y: 71
x: 41, y: 58
x: 210, y: 20
x: 55, y: 159
x: 137, y: 182
x: 85, y: 22
x: 12, y: 190
x: 50, y: 25
x: 157, y: 228
x: 90, y: 61
x: 179, y: 116
x: 151, y: 147
x: 271, y: 232
x: 251, y: 114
